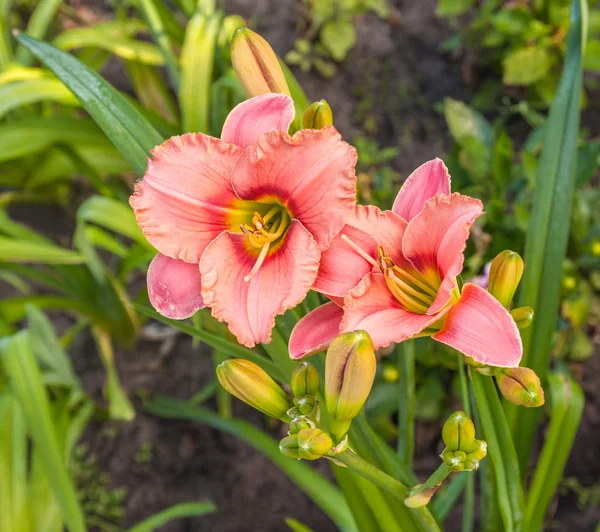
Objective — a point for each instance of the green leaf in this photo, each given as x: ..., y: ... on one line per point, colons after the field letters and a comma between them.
x: 38, y: 25
x: 297, y: 526
x: 464, y: 122
x: 317, y: 487
x: 548, y: 233
x: 526, y: 66
x: 197, y: 58
x: 338, y: 37
x: 124, y: 126
x: 31, y: 91
x: 502, y: 158
x: 19, y: 363
x: 452, y: 8
x: 33, y: 252
x: 124, y: 47
x: 178, y: 511
x: 567, y: 401
x: 501, y: 451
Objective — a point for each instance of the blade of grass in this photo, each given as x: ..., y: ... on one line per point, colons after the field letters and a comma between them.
x: 37, y: 27
x: 546, y: 243
x: 159, y: 34
x: 501, y: 451
x: 19, y: 364
x: 131, y: 134
x: 178, y: 511
x: 317, y: 487
x: 567, y: 401
x: 35, y: 252
x: 406, y: 402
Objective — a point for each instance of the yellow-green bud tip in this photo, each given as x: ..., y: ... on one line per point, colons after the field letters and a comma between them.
x: 251, y: 384
x: 458, y: 432
x: 313, y: 443
x: 304, y: 380
x: 256, y: 64
x: 520, y: 386
x: 349, y: 373
x: 317, y: 115
x: 523, y: 316
x: 505, y: 274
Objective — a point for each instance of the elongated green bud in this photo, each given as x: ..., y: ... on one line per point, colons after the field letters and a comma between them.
x: 249, y: 383
x: 317, y: 115
x: 304, y: 380
x: 505, y: 274
x: 349, y: 373
x: 523, y: 316
x: 458, y: 431
x: 256, y: 64
x: 305, y: 404
x: 288, y: 446
x: 520, y: 386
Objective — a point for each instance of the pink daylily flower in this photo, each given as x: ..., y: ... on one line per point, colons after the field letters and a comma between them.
x: 240, y: 222
x: 393, y: 274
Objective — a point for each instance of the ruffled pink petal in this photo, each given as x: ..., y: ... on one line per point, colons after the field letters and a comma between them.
x: 341, y: 266
x: 430, y: 179
x: 371, y: 307
x: 436, y: 238
x: 249, y: 308
x: 174, y: 287
x: 480, y: 327
x: 312, y: 173
x: 316, y: 330
x: 181, y: 204
x: 250, y: 119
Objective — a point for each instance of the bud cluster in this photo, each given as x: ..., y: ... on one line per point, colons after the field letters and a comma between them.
x: 463, y: 452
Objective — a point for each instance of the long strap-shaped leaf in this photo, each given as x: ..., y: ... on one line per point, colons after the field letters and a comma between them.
x: 501, y: 451
x: 317, y: 487
x: 128, y: 130
x: 18, y: 361
x: 549, y: 228
x: 567, y: 402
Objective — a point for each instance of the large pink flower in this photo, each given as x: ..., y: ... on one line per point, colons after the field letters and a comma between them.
x: 394, y: 273
x: 240, y: 222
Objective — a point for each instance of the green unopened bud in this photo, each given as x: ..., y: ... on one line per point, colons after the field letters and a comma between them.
x: 299, y: 423
x: 249, y: 383
x: 313, y: 443
x: 458, y: 431
x: 455, y: 460
x: 520, y: 386
x: 317, y: 115
x: 304, y: 380
x: 349, y: 373
x: 305, y: 404
x: 505, y: 274
x: 256, y: 64
x: 475, y: 454
x: 288, y: 446
x: 523, y: 316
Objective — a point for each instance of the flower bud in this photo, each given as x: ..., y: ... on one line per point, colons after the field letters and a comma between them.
x: 249, y: 383
x: 458, y: 431
x: 313, y: 443
x: 349, y: 373
x: 455, y: 460
x: 299, y: 423
x: 304, y: 380
x: 256, y: 64
x: 475, y: 454
x: 520, y: 386
x: 288, y: 446
x: 523, y: 316
x: 305, y: 404
x: 505, y: 274
x: 317, y: 115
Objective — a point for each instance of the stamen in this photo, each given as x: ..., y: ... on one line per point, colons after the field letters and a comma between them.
x: 364, y: 255
x: 420, y: 284
x: 259, y: 261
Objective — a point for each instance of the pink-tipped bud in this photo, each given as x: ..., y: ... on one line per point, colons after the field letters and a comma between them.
x: 256, y: 64
x: 349, y: 373
x: 520, y: 386
x: 251, y: 384
x: 505, y: 274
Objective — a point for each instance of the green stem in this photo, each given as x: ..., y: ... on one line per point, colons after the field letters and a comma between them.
x: 406, y: 404
x: 368, y: 471
x: 469, y: 499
